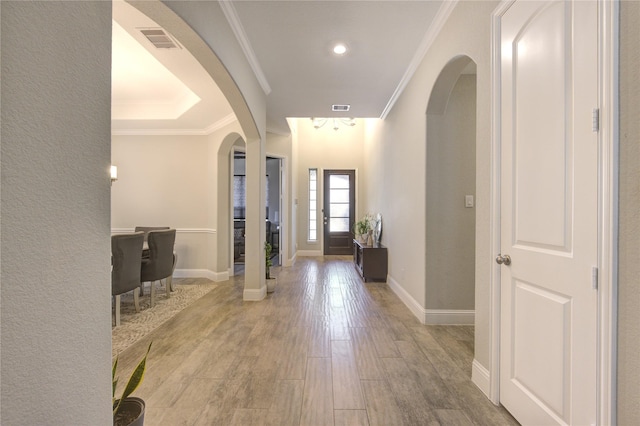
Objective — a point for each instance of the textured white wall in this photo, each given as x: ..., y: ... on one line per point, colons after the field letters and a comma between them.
x: 56, y: 281
x: 451, y: 175
x: 629, y: 244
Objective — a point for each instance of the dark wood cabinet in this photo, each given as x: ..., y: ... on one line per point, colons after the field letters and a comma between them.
x: 370, y: 261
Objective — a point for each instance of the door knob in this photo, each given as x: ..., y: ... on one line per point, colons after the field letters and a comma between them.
x: 506, y: 259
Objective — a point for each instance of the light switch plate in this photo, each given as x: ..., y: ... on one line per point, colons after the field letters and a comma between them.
x: 468, y: 201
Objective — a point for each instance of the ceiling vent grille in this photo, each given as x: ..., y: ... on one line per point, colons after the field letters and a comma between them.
x: 340, y: 108
x: 159, y: 38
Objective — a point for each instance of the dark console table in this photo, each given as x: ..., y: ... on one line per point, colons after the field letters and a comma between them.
x: 370, y: 261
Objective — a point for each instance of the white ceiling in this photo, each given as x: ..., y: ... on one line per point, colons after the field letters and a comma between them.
x: 161, y: 91
x: 289, y: 45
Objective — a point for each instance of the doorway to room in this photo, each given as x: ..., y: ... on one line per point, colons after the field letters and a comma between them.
x: 273, y: 208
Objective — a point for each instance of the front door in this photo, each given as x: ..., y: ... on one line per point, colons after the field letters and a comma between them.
x: 339, y: 211
x: 549, y: 216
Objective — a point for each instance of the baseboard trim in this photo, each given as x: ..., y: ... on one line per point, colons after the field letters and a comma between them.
x: 431, y: 316
x: 449, y: 317
x: 253, y: 295
x: 309, y: 253
x: 289, y: 262
x: 221, y: 276
x: 201, y: 273
x: 480, y: 377
x: 415, y: 308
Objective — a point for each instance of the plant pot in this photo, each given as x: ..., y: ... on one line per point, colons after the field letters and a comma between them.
x: 271, y: 284
x: 130, y: 413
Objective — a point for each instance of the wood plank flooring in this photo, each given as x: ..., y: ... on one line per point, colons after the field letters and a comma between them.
x: 324, y: 349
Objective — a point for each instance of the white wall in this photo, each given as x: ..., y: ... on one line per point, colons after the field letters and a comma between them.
x: 162, y: 181
x: 323, y: 149
x: 398, y: 147
x: 55, y: 280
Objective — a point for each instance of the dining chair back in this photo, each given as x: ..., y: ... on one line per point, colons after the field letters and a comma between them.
x: 161, y: 261
x: 147, y: 229
x: 126, y: 255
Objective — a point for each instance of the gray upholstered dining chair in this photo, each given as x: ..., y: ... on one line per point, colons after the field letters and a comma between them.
x: 146, y: 230
x: 160, y: 263
x: 126, y: 257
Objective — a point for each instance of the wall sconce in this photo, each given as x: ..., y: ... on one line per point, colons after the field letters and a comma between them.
x: 114, y: 174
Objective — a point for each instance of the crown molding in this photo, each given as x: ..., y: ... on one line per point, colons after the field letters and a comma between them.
x: 225, y: 121
x: 234, y: 21
x: 434, y: 29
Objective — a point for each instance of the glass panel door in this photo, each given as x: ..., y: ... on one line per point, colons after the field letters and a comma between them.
x: 339, y: 208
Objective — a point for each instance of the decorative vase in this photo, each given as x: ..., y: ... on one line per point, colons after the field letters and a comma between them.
x: 271, y: 284
x: 370, y: 238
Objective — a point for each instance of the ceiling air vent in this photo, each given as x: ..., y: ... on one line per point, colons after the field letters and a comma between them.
x: 340, y: 108
x: 159, y: 38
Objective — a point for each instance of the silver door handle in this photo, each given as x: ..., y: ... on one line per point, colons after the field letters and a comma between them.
x: 506, y: 259
x: 325, y: 220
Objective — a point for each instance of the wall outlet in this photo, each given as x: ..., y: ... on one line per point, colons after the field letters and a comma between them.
x: 468, y: 201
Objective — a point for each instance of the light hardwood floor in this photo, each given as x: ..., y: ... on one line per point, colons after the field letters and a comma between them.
x: 324, y: 349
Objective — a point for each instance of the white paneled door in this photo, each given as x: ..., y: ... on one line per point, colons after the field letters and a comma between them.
x: 549, y: 216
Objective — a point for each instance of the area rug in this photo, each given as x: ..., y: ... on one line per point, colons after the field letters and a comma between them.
x: 134, y: 326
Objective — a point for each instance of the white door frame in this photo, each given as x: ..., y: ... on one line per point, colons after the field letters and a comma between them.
x: 608, y: 24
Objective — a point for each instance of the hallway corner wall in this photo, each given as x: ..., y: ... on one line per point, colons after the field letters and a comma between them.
x: 55, y: 277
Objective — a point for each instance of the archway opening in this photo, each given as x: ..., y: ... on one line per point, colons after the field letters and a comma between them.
x: 450, y: 196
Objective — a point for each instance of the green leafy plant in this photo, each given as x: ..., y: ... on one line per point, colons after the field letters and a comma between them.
x: 364, y: 225
x: 267, y: 257
x: 132, y: 384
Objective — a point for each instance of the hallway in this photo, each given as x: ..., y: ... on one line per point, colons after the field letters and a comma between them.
x: 323, y: 349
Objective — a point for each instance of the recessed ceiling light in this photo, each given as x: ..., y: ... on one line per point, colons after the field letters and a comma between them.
x: 339, y: 49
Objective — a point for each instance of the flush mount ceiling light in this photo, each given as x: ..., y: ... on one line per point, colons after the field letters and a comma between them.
x: 340, y: 49
x: 336, y: 121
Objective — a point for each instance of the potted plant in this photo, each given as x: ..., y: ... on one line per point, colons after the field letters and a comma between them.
x: 271, y: 281
x: 129, y: 410
x: 363, y: 228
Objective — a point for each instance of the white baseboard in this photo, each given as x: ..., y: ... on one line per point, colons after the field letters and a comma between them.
x: 252, y: 295
x: 415, y: 308
x: 449, y: 317
x: 480, y: 377
x: 201, y: 273
x: 309, y: 253
x: 221, y: 276
x: 289, y: 262
x: 431, y: 316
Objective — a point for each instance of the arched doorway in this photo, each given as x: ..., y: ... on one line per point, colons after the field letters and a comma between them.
x: 450, y: 195
x: 247, y: 104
